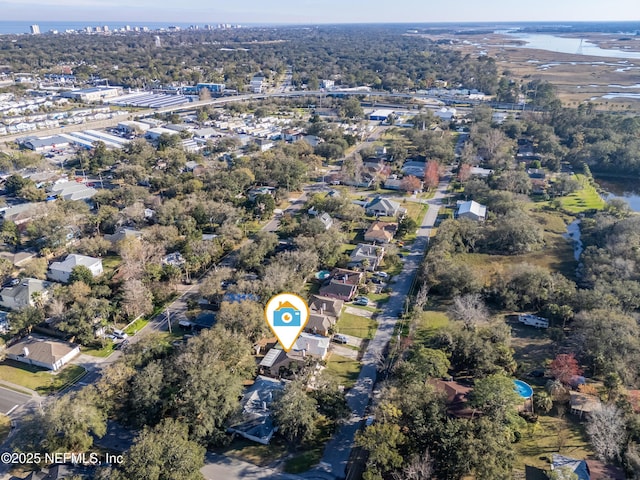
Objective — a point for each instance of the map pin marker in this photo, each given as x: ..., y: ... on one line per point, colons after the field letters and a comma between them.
x: 287, y: 314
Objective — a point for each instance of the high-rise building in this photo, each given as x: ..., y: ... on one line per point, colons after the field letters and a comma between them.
x: 35, y: 29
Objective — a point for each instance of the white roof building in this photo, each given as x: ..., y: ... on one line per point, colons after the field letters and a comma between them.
x: 472, y: 210
x: 60, y: 271
x: 314, y: 345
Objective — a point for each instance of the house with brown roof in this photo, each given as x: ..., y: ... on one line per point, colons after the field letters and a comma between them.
x: 327, y: 305
x: 324, y: 314
x: 49, y: 354
x: 342, y: 284
x: 380, y: 232
x: 456, y: 397
x: 319, y: 324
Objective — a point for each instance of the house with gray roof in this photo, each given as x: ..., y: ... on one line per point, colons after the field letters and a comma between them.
x: 60, y: 271
x: 24, y: 293
x: 366, y: 257
x: 326, y: 220
x: 472, y: 210
x: 255, y: 422
x: 123, y: 233
x: 381, y: 206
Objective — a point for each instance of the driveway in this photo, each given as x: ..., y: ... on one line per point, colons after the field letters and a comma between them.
x: 344, y: 351
x: 361, y: 312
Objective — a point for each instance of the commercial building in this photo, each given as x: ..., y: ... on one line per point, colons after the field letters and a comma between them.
x: 43, y: 144
x: 94, y: 94
x: 35, y: 29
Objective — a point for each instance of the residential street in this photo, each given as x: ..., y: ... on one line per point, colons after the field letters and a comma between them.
x: 337, y: 451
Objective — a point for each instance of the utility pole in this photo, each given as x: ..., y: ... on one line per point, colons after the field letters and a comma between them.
x: 169, y: 320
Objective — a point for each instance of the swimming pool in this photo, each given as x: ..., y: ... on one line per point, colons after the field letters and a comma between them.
x: 523, y: 389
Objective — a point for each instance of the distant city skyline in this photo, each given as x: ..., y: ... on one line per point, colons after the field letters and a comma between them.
x: 318, y: 11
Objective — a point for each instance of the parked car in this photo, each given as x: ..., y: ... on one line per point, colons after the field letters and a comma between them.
x: 362, y: 301
x: 120, y: 334
x: 381, y: 274
x: 338, y: 338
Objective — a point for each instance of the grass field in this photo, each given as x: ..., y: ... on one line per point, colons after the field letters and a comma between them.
x: 344, y: 370
x: 356, y: 326
x: 5, y: 428
x: 582, y: 200
x: 556, y: 254
x: 42, y: 381
x: 544, y: 439
x: 429, y: 323
x: 110, y: 264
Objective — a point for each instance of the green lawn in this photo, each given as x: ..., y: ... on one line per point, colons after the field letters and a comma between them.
x: 40, y: 380
x: 415, y: 210
x: 429, y: 323
x: 379, y: 298
x: 582, y: 200
x: 136, y: 326
x: 356, y: 326
x: 102, y: 352
x: 5, y: 427
x: 110, y: 263
x: 344, y: 370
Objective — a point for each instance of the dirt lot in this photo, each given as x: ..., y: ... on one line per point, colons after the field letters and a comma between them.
x: 532, y: 346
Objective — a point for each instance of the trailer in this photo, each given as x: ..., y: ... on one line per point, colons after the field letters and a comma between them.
x: 533, y: 321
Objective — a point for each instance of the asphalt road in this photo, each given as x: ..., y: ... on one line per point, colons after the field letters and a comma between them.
x: 10, y: 399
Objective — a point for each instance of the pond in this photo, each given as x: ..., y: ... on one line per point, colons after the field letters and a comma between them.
x: 627, y: 189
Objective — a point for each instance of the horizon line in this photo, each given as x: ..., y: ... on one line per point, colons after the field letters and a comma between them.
x: 236, y: 22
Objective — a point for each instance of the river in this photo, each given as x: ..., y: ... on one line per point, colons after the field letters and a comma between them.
x: 575, y: 46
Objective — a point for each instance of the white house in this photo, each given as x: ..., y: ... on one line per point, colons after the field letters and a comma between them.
x: 472, y: 210
x: 60, y: 271
x: 313, y: 345
x: 49, y: 354
x: 23, y: 294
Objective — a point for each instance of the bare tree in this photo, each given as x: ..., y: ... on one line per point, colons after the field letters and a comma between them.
x: 422, y: 297
x: 469, y: 309
x: 136, y: 298
x: 420, y: 468
x: 607, y: 430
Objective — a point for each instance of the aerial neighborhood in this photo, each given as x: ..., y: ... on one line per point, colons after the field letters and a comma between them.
x: 472, y: 289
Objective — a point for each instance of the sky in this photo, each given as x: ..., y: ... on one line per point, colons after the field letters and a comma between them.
x: 319, y: 11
